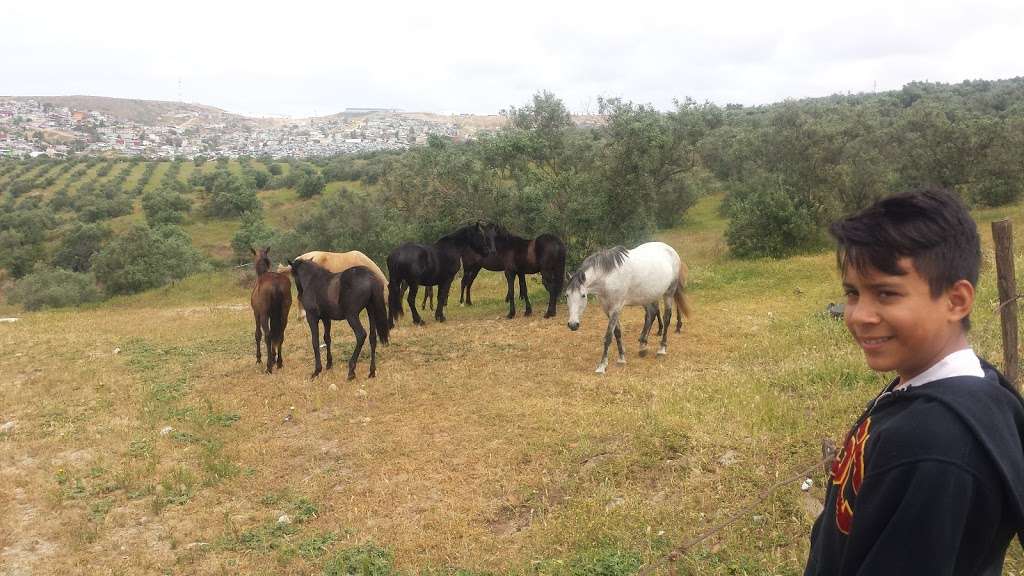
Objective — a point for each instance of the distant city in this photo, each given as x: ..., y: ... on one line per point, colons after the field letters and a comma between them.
x: 31, y: 127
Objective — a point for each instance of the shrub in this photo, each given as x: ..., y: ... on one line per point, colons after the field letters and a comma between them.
x: 996, y: 191
x: 261, y: 178
x: 94, y: 204
x: 766, y: 221
x: 229, y: 195
x: 310, y: 183
x: 253, y: 232
x: 78, y: 247
x: 145, y: 258
x: 165, y: 205
x: 47, y: 287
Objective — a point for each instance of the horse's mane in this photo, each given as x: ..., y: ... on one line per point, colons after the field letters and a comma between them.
x: 604, y: 260
x: 315, y: 271
x: 462, y: 233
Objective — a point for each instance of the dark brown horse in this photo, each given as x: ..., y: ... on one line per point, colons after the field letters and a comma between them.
x: 271, y: 299
x: 518, y: 256
x: 413, y: 265
x: 327, y: 296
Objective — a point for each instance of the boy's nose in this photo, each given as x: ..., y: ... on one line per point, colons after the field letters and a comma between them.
x: 860, y: 313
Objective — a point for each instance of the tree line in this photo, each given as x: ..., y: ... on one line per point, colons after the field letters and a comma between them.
x: 784, y: 171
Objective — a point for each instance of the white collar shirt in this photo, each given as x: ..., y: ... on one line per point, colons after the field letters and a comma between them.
x: 960, y: 363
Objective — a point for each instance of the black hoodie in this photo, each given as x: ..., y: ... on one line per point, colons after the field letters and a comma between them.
x: 929, y: 481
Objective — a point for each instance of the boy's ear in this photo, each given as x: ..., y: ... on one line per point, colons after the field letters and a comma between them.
x: 961, y: 299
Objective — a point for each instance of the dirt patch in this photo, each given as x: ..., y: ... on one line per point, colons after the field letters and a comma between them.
x: 23, y: 548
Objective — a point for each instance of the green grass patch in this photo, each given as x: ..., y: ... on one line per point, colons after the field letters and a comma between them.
x: 364, y: 560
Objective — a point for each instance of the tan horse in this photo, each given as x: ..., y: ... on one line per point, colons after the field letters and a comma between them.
x: 339, y: 262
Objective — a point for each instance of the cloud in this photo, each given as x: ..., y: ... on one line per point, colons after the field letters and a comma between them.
x: 306, y: 57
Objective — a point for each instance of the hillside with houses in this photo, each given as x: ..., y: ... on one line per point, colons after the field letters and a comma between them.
x: 65, y: 126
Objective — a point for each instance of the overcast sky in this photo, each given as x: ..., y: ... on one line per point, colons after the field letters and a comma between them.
x: 303, y: 58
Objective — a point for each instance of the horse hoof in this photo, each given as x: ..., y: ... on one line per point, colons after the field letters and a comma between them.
x: 662, y: 351
x: 621, y: 361
x: 372, y: 375
x: 351, y: 376
x: 642, y: 352
x: 549, y: 314
x: 600, y: 370
x: 314, y: 375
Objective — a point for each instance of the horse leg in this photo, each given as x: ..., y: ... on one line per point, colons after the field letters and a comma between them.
x: 428, y: 293
x: 259, y: 340
x: 327, y: 341
x: 413, y: 288
x: 525, y: 294
x: 314, y: 334
x: 663, y: 347
x: 618, y: 344
x: 510, y: 278
x: 550, y: 286
x: 649, y: 311
x: 373, y: 348
x: 442, y: 298
x: 467, y: 281
x: 357, y: 329
x: 469, y: 286
x: 613, y: 321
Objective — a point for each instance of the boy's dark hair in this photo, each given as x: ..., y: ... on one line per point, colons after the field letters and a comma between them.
x: 932, y: 227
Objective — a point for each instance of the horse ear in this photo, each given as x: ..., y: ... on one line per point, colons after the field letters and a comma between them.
x: 267, y: 249
x: 253, y: 250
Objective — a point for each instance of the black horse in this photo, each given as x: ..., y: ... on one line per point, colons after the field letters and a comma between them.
x: 518, y: 256
x: 412, y: 265
x: 341, y: 296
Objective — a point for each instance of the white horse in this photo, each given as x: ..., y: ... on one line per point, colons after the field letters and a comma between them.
x: 637, y: 277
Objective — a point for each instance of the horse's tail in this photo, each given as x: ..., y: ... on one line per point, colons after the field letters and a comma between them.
x: 394, y: 301
x: 279, y: 304
x: 682, y: 302
x: 378, y: 312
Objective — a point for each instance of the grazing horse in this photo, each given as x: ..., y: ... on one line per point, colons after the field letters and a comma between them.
x: 414, y: 265
x: 337, y: 262
x: 330, y: 296
x: 518, y: 256
x: 271, y: 298
x: 621, y: 277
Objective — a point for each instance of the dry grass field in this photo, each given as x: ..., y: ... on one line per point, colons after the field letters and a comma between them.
x: 146, y: 440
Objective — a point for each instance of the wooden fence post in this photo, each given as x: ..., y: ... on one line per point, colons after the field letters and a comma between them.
x: 1002, y: 235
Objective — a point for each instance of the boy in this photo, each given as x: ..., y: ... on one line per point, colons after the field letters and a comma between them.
x: 930, y: 480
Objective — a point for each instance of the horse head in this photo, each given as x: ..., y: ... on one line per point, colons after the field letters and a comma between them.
x: 295, y: 266
x: 260, y: 260
x: 576, y: 298
x: 479, y: 237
